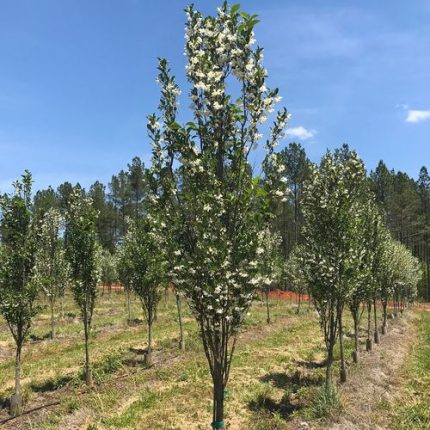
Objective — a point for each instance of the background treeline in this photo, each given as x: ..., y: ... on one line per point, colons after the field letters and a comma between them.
x: 404, y: 200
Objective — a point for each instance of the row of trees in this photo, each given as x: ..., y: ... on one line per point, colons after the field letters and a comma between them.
x: 405, y: 204
x: 45, y: 254
x: 349, y: 258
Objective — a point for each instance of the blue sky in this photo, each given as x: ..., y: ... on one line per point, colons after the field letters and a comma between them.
x: 77, y: 79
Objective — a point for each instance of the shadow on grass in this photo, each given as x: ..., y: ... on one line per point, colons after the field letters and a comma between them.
x: 36, y: 338
x: 311, y: 364
x: 292, y: 382
x: 51, y: 384
x: 284, y: 408
x: 135, y: 322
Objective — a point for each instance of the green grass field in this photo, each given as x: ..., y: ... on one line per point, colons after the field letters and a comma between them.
x: 275, y: 381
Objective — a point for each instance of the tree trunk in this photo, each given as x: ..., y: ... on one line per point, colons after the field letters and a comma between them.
x: 148, y: 357
x: 88, y: 372
x: 355, y: 354
x: 218, y: 396
x: 384, y: 311
x: 376, y: 321
x: 52, y: 305
x: 128, y: 305
x: 267, y: 306
x: 369, y: 313
x: 342, y: 352
x: 299, y: 303
x: 328, y: 369
x: 16, y: 399
x: 181, y: 328
x: 62, y: 308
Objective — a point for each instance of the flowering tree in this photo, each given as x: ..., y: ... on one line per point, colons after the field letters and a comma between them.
x: 144, y: 249
x: 82, y: 253
x: 108, y: 270
x: 387, y: 275
x: 211, y: 195
x: 406, y: 275
x: 371, y: 231
x: 332, y: 252
x: 269, y: 263
x: 51, y: 268
x: 294, y: 272
x: 17, y: 289
x: 125, y: 274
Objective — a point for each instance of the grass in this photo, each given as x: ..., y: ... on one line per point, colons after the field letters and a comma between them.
x: 326, y: 403
x: 276, y: 373
x: 413, y: 411
x: 51, y: 365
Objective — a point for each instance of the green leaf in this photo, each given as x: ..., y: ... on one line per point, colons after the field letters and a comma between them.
x: 175, y: 126
x: 235, y: 8
x: 191, y: 126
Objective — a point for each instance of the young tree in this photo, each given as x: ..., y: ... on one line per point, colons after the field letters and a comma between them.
x: 372, y: 232
x: 406, y: 275
x: 51, y: 268
x: 181, y: 326
x: 144, y: 249
x: 82, y: 253
x: 269, y: 266
x: 125, y: 275
x: 294, y: 273
x: 108, y: 270
x: 17, y: 289
x: 212, y: 197
x: 332, y: 253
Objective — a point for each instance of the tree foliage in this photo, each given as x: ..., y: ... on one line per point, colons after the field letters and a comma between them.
x: 18, y: 291
x: 82, y: 253
x: 207, y: 177
x: 51, y: 267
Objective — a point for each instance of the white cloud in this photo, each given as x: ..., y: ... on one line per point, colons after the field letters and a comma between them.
x: 417, y: 115
x: 300, y: 132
